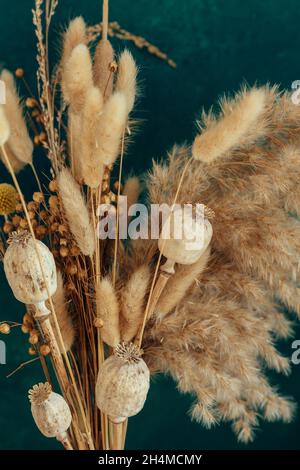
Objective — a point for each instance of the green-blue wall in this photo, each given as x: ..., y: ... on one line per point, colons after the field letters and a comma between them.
x: 217, y: 45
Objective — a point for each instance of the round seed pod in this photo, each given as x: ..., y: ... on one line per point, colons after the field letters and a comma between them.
x: 50, y: 411
x: 24, y: 273
x: 179, y: 241
x: 123, y: 383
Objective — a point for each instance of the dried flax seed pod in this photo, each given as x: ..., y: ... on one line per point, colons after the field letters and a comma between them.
x: 50, y: 412
x: 123, y: 383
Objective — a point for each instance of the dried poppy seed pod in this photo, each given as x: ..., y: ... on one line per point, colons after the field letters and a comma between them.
x: 123, y: 383
x: 50, y: 412
x: 24, y: 274
x: 180, y: 241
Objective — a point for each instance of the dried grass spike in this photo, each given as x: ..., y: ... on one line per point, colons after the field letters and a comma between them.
x: 77, y: 77
x: 238, y: 124
x: 19, y: 141
x: 126, y: 80
x: 76, y: 212
x: 133, y: 297
x: 111, y: 128
x: 107, y: 307
x: 75, y: 34
x: 64, y: 318
x: 103, y: 74
x: 4, y: 127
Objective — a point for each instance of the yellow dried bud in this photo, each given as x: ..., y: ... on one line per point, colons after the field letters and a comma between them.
x: 25, y: 329
x: 64, y: 251
x: 32, y: 206
x: 71, y: 269
x: 19, y: 73
x: 8, y: 227
x: 53, y: 186
x: 45, y: 350
x: 75, y: 250
x: 16, y: 220
x: 23, y: 223
x: 53, y: 201
x: 32, y: 351
x: 8, y: 199
x: 34, y: 339
x: 31, y: 102
x: 4, y: 328
x: 38, y: 197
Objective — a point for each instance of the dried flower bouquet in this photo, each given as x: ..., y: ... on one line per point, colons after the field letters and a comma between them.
x: 107, y: 313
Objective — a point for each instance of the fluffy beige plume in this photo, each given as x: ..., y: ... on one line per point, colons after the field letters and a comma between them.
x: 63, y: 315
x: 91, y: 166
x: 133, y: 298
x: 103, y: 60
x: 107, y: 307
x: 132, y: 190
x: 178, y: 285
x: 4, y: 127
x: 16, y: 164
x: 126, y: 81
x: 19, y: 141
x: 111, y: 127
x: 237, y: 125
x: 77, y: 77
x: 76, y: 212
x: 74, y: 35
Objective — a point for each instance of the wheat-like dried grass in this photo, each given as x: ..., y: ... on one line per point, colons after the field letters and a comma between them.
x: 90, y: 164
x: 179, y: 284
x: 107, y: 309
x: 64, y: 317
x: 111, y: 126
x: 19, y: 141
x: 133, y: 297
x: 77, y: 77
x: 239, y: 123
x: 103, y: 62
x: 126, y: 79
x: 4, y: 127
x: 74, y: 35
x: 76, y: 212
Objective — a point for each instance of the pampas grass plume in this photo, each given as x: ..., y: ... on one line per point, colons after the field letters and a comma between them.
x: 77, y: 77
x: 126, y: 81
x: 133, y: 302
x: 63, y: 315
x: 111, y: 127
x: 108, y: 311
x: 237, y: 125
x: 76, y: 212
x: 103, y: 76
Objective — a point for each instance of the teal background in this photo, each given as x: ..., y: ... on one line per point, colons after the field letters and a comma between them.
x: 217, y: 46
